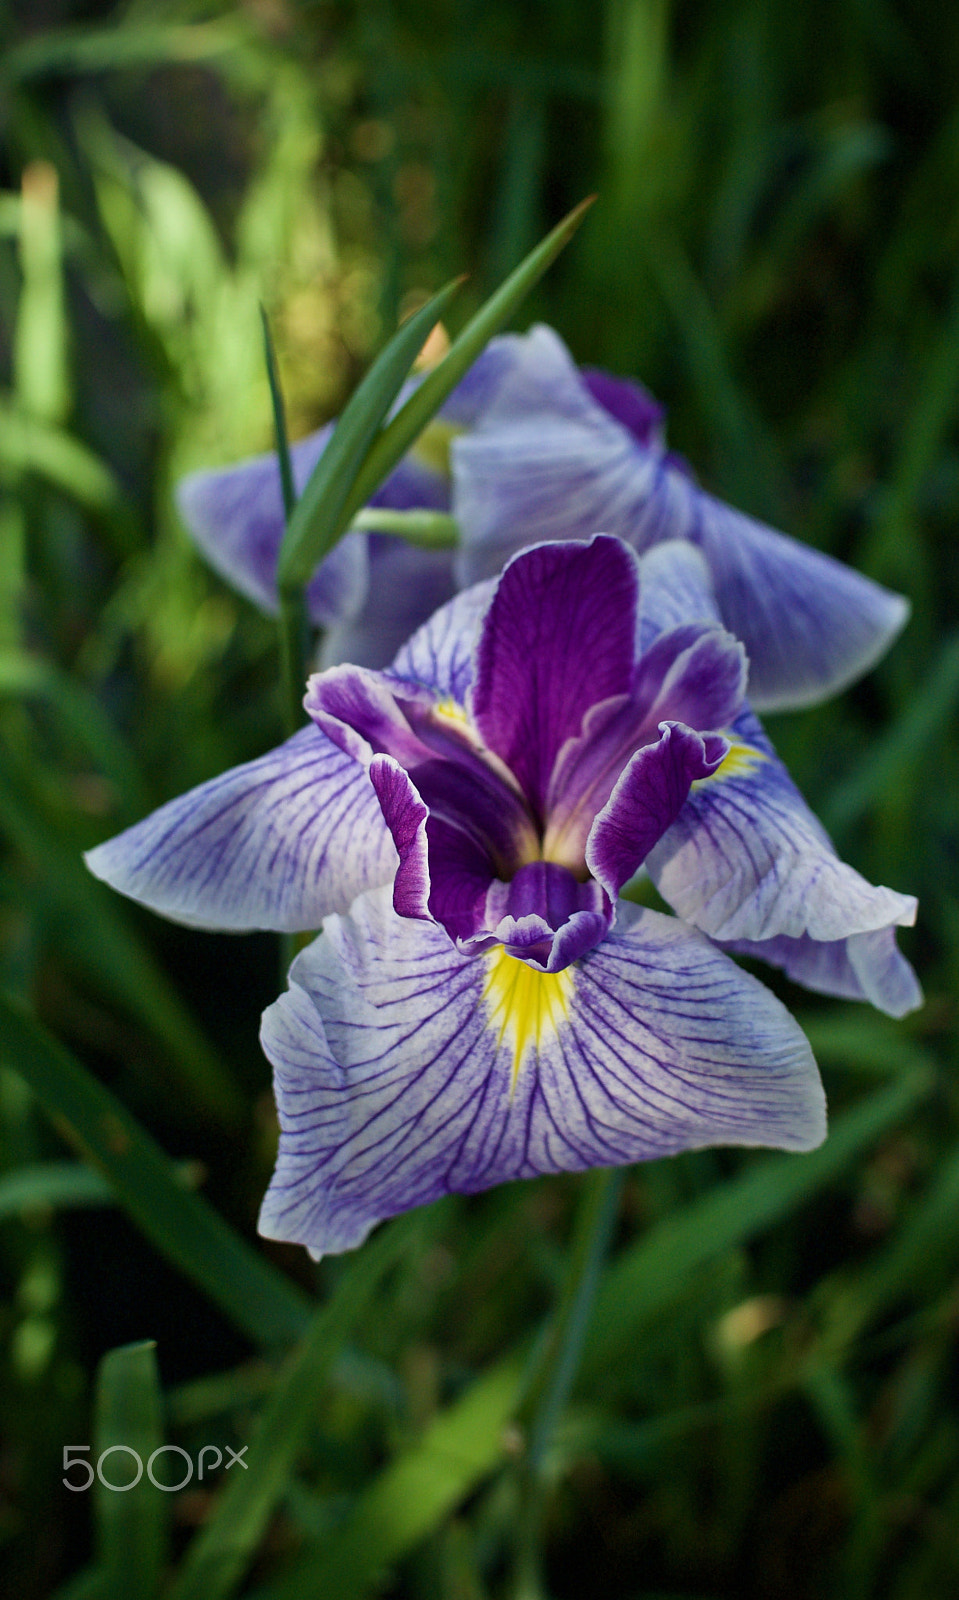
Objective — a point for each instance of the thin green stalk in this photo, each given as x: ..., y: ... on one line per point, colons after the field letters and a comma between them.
x: 428, y: 530
x: 556, y: 1368
x: 293, y: 652
x: 279, y: 419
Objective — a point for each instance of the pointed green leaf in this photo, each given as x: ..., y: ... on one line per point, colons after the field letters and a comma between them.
x: 396, y: 438
x: 131, y: 1512
x: 319, y: 517
x: 188, y: 1232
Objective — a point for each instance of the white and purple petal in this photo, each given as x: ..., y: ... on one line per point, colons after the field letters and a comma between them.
x: 440, y: 654
x: 546, y: 461
x: 746, y: 858
x: 867, y: 966
x: 276, y: 843
x: 404, y: 1071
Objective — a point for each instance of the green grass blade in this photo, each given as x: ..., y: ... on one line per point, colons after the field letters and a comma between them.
x: 318, y: 518
x: 656, y: 1270
x: 894, y: 763
x: 96, y: 935
x: 28, y: 444
x: 220, y: 1554
x: 54, y: 1184
x: 413, y: 1495
x: 279, y: 419
x: 72, y: 50
x: 131, y: 1521
x: 81, y: 717
x: 396, y: 438
x: 188, y: 1232
x: 40, y: 340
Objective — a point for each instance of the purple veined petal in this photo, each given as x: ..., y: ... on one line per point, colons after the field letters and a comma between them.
x: 811, y: 625
x: 235, y: 515
x: 746, y: 858
x: 544, y: 461
x: 630, y: 404
x: 647, y: 799
x: 694, y: 675
x: 357, y: 709
x: 441, y: 653
x: 405, y: 816
x: 867, y: 966
x: 405, y: 1071
x: 406, y: 587
x: 277, y: 843
x: 559, y: 637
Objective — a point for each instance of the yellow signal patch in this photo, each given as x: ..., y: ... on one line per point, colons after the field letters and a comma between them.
x: 741, y: 762
x: 526, y: 1007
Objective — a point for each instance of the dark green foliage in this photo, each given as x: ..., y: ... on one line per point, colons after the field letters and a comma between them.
x: 766, y: 1405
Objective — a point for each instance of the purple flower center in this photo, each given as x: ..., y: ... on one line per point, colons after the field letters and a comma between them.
x: 519, y: 815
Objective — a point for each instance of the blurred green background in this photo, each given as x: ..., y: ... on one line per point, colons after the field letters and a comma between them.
x: 767, y: 1401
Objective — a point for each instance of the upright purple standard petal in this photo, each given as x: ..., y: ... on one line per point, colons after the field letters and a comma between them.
x: 276, y: 843
x: 556, y: 456
x: 558, y: 637
x: 647, y: 799
x: 404, y: 1071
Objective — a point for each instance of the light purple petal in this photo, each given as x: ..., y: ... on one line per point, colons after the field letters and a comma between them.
x: 440, y: 655
x: 746, y: 858
x: 868, y: 966
x: 403, y: 1072
x: 630, y: 404
x: 235, y: 515
x: 276, y: 843
x: 545, y: 461
x: 675, y: 588
x: 810, y: 624
x: 542, y: 462
x: 647, y: 799
x: 559, y: 636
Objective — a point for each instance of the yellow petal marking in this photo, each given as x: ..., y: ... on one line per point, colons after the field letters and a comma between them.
x: 741, y: 762
x: 526, y: 1007
x: 452, y: 711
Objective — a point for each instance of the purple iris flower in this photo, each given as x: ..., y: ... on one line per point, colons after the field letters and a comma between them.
x: 530, y: 448
x: 481, y: 1005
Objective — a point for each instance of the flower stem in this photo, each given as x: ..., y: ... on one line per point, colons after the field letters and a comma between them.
x: 293, y: 651
x: 556, y: 1366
